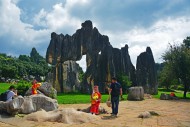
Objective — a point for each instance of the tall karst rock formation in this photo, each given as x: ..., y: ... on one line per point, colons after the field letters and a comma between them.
x: 102, y: 60
x: 146, y: 72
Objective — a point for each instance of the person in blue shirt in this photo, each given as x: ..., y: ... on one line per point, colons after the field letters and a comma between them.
x: 115, y: 91
x: 12, y: 92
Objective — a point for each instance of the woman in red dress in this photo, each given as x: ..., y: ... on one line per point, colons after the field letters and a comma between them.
x: 95, y: 101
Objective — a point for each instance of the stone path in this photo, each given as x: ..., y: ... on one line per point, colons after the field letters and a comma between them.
x: 173, y: 113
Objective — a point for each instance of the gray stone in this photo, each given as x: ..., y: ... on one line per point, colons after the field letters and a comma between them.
x: 165, y: 96
x: 48, y: 90
x: 29, y: 104
x: 148, y: 114
x: 136, y: 94
x: 145, y: 114
x: 146, y: 72
x: 66, y: 116
x: 45, y: 89
x: 36, y: 102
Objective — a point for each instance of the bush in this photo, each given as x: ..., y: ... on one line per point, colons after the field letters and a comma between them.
x: 22, y: 87
x: 180, y: 88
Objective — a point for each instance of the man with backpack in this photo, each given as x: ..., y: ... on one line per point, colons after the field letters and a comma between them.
x: 9, y: 94
x: 12, y: 92
x: 115, y: 91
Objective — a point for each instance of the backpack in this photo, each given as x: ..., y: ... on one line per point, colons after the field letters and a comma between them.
x: 3, y: 96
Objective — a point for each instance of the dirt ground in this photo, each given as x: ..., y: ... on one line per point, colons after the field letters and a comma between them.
x: 173, y: 113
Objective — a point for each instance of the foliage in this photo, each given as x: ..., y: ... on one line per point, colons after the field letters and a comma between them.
x: 4, y: 87
x: 22, y: 87
x: 177, y: 62
x: 35, y: 56
x: 81, y: 74
x: 179, y: 94
x: 124, y: 81
x: 166, y: 77
x: 12, y: 67
x: 9, y: 71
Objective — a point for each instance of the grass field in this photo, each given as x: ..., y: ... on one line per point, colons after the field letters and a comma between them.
x: 4, y: 87
x: 79, y: 98
x: 85, y: 98
x: 178, y: 93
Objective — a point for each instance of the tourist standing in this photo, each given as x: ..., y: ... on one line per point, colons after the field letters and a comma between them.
x: 115, y: 90
x: 95, y: 101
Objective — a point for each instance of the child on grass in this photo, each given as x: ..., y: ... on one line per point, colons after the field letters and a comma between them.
x: 95, y: 101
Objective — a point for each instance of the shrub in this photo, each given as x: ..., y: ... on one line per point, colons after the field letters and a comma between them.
x: 22, y: 87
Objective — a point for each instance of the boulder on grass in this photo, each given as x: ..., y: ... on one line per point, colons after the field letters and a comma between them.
x: 46, y: 89
x: 136, y: 94
x: 165, y: 96
x: 29, y: 104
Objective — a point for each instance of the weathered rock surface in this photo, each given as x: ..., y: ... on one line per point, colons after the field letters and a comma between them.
x: 145, y: 114
x: 164, y: 96
x: 46, y: 89
x: 148, y: 114
x: 66, y: 115
x: 103, y: 61
x: 29, y: 104
x: 146, y: 72
x: 136, y: 94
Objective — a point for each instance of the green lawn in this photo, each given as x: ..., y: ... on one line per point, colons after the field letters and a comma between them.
x: 85, y: 98
x: 178, y: 93
x: 79, y: 98
x: 4, y: 87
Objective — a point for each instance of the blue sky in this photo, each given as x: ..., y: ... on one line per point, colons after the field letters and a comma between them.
x: 138, y: 23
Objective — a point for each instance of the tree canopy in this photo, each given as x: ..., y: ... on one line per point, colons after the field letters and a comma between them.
x: 12, y: 67
x: 177, y: 64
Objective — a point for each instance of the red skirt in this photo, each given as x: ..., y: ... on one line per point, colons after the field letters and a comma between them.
x: 95, y: 108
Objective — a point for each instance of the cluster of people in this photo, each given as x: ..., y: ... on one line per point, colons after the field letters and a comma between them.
x: 115, y: 91
x: 12, y: 92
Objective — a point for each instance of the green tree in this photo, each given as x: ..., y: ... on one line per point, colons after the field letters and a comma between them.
x: 177, y: 57
x: 9, y: 71
x: 13, y: 67
x: 166, y: 76
x: 124, y: 81
x: 35, y: 56
x: 24, y: 58
x: 81, y: 74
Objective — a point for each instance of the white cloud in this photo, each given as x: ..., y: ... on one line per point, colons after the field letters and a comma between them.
x: 59, y: 18
x: 82, y: 63
x: 39, y: 19
x: 157, y: 37
x: 67, y: 17
x: 20, y: 33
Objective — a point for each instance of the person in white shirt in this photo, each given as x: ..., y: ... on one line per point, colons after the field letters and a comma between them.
x: 12, y: 92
